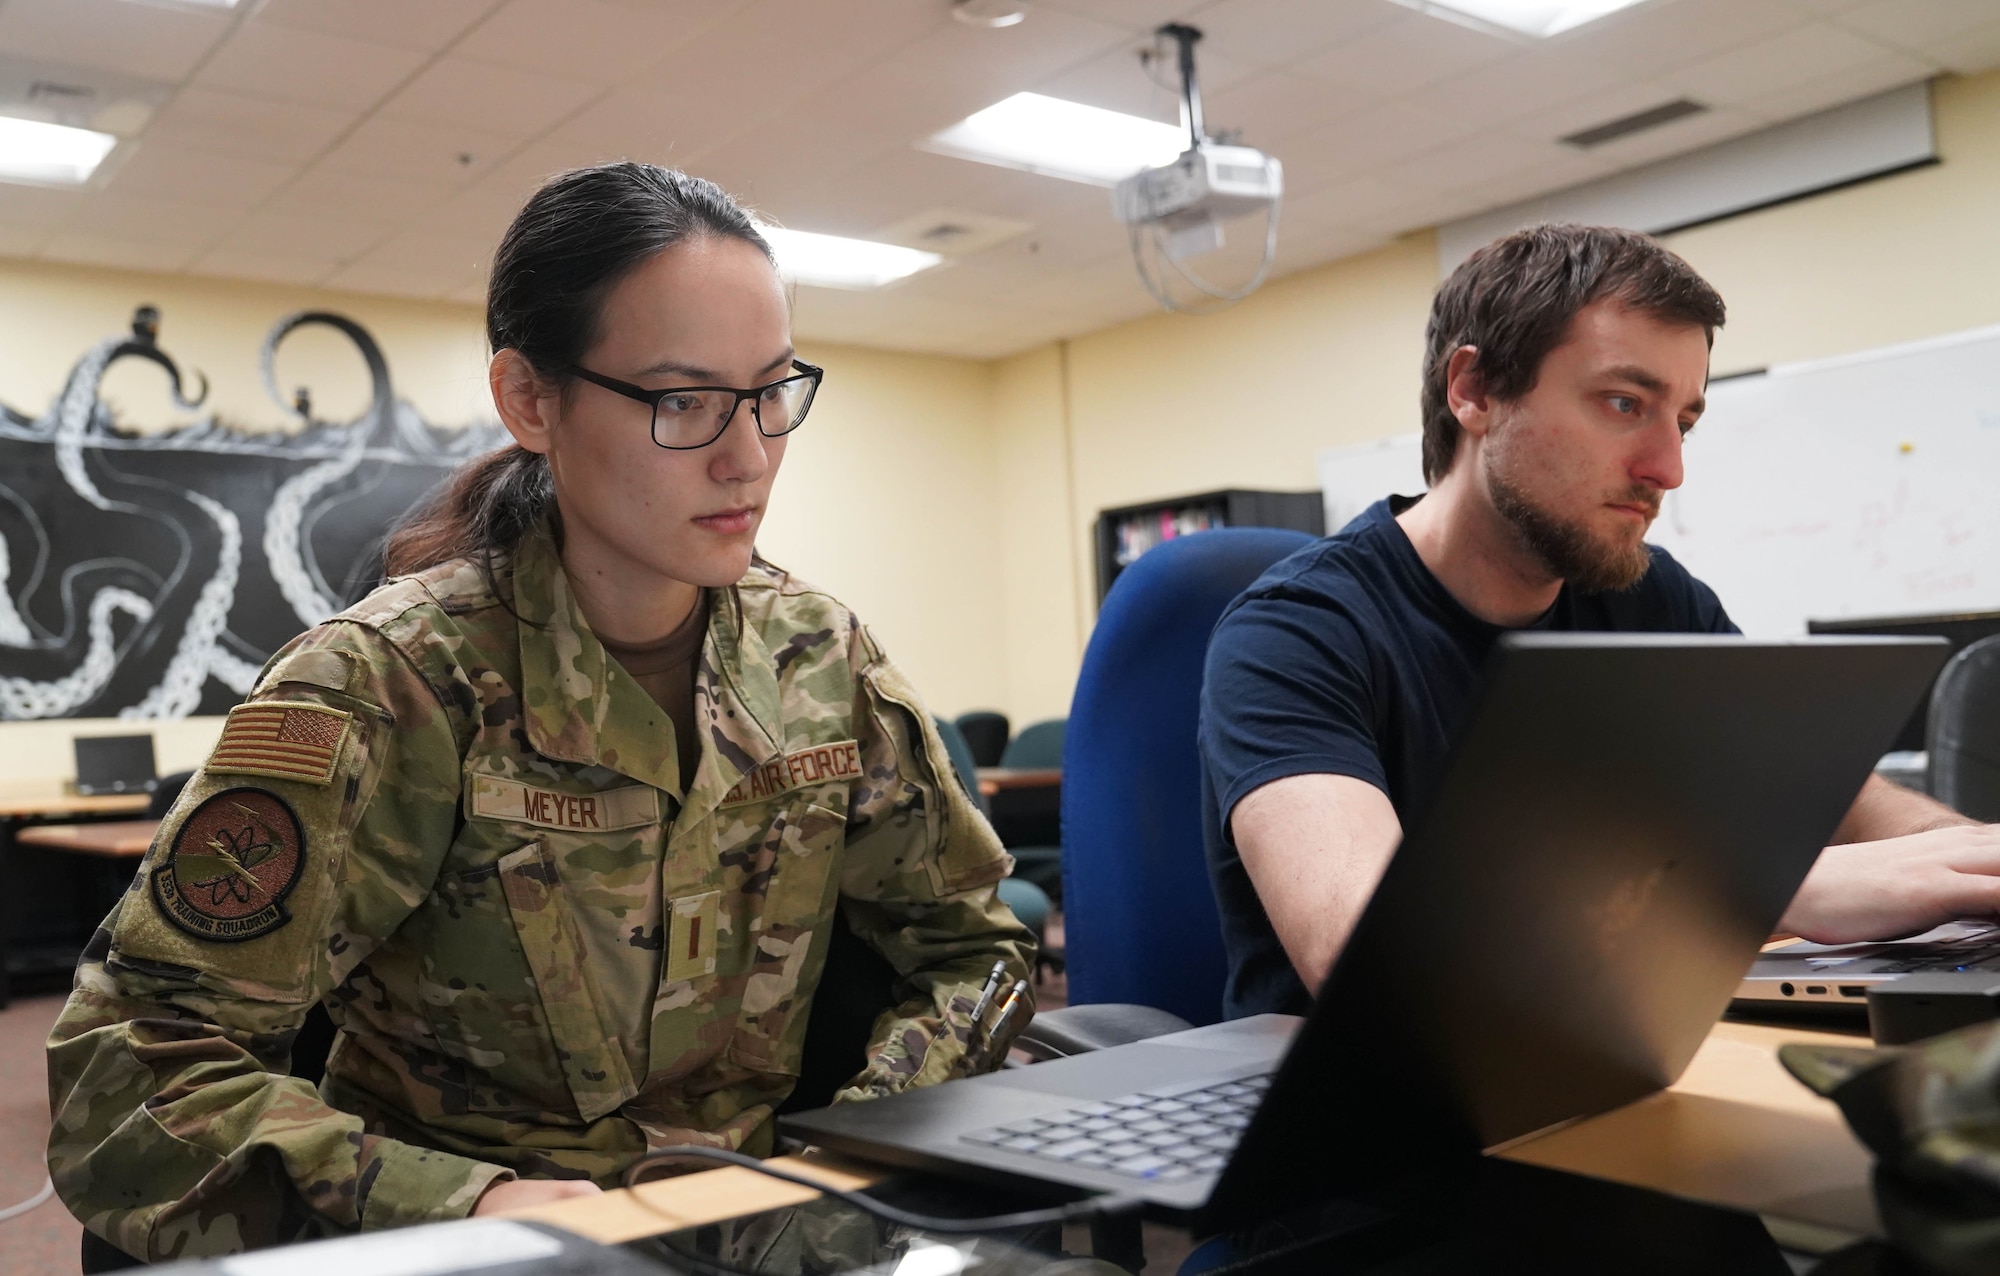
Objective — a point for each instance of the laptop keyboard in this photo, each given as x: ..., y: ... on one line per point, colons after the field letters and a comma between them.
x: 1983, y: 957
x: 1161, y: 1135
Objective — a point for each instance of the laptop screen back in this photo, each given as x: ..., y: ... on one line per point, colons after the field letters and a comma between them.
x: 1622, y: 823
x: 115, y: 764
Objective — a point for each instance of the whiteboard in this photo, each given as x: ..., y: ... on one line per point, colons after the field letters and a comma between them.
x: 1867, y: 485
x: 1353, y: 478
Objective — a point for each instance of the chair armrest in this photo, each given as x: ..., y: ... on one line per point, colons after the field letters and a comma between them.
x: 1057, y: 1034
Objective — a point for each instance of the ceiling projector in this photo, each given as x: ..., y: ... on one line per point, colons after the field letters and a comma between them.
x: 1180, y: 207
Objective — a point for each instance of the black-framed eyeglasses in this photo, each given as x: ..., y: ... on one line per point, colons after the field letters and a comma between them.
x: 692, y: 416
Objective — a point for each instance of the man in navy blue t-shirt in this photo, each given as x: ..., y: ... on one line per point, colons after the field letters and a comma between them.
x: 1564, y: 367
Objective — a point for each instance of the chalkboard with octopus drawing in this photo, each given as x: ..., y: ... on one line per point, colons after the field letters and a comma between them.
x: 151, y: 575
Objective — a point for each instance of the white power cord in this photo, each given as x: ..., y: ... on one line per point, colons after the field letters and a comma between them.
x: 15, y: 1211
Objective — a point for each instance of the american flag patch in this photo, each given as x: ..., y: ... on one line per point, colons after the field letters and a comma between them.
x: 284, y: 741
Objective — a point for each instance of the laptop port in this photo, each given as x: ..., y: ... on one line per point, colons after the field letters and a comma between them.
x: 1854, y: 990
x: 1815, y: 990
x: 1786, y: 989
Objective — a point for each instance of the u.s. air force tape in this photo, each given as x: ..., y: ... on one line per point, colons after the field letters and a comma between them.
x: 233, y: 861
x: 814, y: 764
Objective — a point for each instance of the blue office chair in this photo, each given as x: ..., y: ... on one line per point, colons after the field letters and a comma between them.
x: 1140, y: 923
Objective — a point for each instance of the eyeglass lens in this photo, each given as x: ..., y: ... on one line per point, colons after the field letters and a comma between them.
x: 693, y: 418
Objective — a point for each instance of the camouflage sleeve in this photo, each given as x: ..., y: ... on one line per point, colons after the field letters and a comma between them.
x: 918, y: 884
x: 313, y: 829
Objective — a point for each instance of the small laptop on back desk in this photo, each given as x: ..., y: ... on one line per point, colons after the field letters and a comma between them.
x: 1624, y: 820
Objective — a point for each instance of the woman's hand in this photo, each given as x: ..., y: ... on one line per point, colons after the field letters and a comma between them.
x: 514, y: 1194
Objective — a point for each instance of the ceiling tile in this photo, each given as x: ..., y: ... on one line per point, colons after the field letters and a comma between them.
x: 1891, y: 70
x: 264, y: 59
x: 163, y: 171
x: 22, y: 241
x: 1407, y: 54
x: 452, y: 154
x: 418, y: 265
x: 980, y: 67
x: 1968, y: 53
x: 1117, y: 80
x: 38, y: 205
x: 1136, y: 16
x: 482, y: 212
x: 154, y: 41
x: 230, y: 261
x: 156, y: 221
x: 1277, y: 104
x: 1535, y: 82
x: 1666, y: 33
x: 88, y: 248
x: 262, y: 128
x: 889, y: 189
x: 1913, y: 24
x: 1370, y: 139
x: 333, y: 240
x: 1769, y: 66
x: 478, y: 95
x: 587, y: 40
x: 1280, y: 32
x: 424, y: 25
x: 325, y: 192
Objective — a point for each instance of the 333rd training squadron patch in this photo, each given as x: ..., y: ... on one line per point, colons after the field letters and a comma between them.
x: 232, y: 863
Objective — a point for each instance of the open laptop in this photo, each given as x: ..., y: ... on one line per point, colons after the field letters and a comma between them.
x: 1623, y: 821
x: 1837, y: 977
x: 115, y: 764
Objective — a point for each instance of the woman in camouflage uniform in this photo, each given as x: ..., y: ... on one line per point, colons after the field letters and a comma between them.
x: 556, y: 823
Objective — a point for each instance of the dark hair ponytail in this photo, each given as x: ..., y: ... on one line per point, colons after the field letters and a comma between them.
x: 569, y: 246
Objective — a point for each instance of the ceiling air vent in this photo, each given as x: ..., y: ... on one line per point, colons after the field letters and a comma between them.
x: 54, y: 91
x: 1637, y: 122
x: 954, y: 232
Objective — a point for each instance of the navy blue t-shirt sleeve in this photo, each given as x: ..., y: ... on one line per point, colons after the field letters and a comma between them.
x: 1286, y: 692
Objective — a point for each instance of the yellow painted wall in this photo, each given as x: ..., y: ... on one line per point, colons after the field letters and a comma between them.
x: 887, y: 499
x: 50, y: 315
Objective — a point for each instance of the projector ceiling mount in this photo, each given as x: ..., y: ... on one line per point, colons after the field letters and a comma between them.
x: 1177, y: 210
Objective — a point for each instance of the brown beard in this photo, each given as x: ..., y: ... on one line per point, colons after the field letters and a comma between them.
x: 1568, y: 550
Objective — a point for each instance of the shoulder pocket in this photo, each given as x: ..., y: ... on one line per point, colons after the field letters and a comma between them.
x: 593, y: 1059
x: 964, y: 852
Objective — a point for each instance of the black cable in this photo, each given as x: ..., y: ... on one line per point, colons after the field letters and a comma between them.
x: 1074, y: 1212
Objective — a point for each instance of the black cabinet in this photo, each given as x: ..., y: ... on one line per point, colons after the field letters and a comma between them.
x: 1129, y: 531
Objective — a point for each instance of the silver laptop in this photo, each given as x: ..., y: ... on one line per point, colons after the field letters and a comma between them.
x: 1840, y: 975
x: 1623, y: 821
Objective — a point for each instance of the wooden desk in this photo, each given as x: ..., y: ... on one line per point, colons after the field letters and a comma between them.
x: 18, y: 806
x: 1736, y: 1131
x: 119, y: 839
x: 995, y: 779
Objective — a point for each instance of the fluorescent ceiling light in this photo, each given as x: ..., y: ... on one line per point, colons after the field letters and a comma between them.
x: 1528, y: 17
x: 831, y: 261
x: 50, y: 154
x: 1061, y: 139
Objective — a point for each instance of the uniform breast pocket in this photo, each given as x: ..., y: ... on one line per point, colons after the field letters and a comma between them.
x: 802, y: 838
x: 591, y: 1055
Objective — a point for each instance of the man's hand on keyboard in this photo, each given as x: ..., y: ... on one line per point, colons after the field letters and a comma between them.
x: 1899, y: 886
